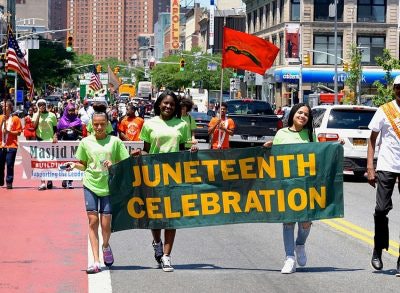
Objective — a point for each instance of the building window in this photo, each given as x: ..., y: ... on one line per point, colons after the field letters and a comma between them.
x: 254, y: 20
x: 371, y: 47
x: 321, y: 10
x: 248, y: 21
x: 267, y: 12
x: 261, y: 16
x: 371, y: 10
x: 273, y: 12
x: 326, y: 44
x: 295, y: 10
x: 281, y: 8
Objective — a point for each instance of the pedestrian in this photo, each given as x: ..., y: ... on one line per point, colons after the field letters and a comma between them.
x: 130, y: 126
x: 186, y: 107
x: 141, y: 109
x: 29, y: 128
x: 45, y: 123
x: 96, y: 153
x: 98, y: 106
x: 69, y: 128
x: 386, y: 123
x: 299, y: 130
x: 220, y: 128
x: 164, y: 133
x: 10, y: 129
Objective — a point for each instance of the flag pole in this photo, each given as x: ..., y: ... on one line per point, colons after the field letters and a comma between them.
x: 222, y: 74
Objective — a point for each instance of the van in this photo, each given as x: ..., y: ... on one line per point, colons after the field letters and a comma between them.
x: 144, y: 90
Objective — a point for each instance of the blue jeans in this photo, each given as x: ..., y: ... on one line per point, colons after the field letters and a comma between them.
x: 7, y: 156
x: 288, y: 236
x: 94, y: 203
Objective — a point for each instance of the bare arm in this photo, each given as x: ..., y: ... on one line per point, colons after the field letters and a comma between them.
x: 370, y: 158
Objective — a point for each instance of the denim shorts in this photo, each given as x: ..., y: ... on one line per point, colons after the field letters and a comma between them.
x: 95, y: 203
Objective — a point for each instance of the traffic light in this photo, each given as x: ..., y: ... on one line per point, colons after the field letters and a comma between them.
x: 182, y: 65
x: 116, y: 69
x: 70, y: 43
x: 98, y: 68
x: 345, y: 66
x: 306, y: 59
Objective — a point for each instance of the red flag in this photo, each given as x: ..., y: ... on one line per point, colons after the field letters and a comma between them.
x: 16, y: 62
x: 247, y: 52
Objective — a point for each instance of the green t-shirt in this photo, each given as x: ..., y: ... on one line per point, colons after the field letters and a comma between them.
x: 164, y: 136
x: 191, y: 123
x: 47, y: 122
x: 94, y: 152
x: 90, y: 130
x: 286, y: 136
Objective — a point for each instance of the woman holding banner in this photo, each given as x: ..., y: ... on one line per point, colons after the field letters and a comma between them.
x: 96, y: 153
x: 165, y: 133
x: 300, y: 130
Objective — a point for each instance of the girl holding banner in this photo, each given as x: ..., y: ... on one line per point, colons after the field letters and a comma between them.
x: 300, y: 130
x: 165, y: 133
x: 96, y: 153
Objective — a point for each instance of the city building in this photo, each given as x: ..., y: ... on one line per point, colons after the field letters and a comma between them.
x: 162, y: 23
x: 160, y: 6
x: 304, y: 30
x: 192, y: 28
x: 58, y: 19
x: 229, y: 4
x: 109, y: 28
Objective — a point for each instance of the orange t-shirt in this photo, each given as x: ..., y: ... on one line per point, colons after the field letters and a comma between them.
x: 228, y: 122
x: 131, y: 127
x: 13, y: 123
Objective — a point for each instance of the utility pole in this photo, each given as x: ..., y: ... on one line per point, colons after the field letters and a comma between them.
x: 336, y: 65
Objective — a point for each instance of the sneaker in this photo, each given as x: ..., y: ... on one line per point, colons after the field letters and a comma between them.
x: 166, y: 263
x: 108, y: 256
x: 42, y: 186
x: 289, y: 266
x: 158, y: 251
x: 49, y: 184
x: 69, y: 185
x: 9, y: 186
x: 94, y: 269
x: 64, y: 184
x: 301, y: 255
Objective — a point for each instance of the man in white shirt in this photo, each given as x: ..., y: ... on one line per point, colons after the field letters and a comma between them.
x: 385, y: 122
x: 86, y: 112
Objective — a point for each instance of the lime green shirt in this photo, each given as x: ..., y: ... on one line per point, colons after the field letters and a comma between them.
x: 164, y: 136
x: 286, y: 136
x: 94, y: 152
x: 45, y: 128
x: 191, y: 123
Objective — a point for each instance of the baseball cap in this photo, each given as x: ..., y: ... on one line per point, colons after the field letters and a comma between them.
x: 41, y: 101
x: 396, y: 80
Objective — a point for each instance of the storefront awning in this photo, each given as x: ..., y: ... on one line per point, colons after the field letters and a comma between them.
x: 326, y: 75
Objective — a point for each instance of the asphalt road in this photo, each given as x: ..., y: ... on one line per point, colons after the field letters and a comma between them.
x: 249, y: 257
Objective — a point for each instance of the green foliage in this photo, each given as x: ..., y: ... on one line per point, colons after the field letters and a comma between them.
x: 385, y: 92
x: 169, y: 76
x: 48, y: 65
x: 354, y: 74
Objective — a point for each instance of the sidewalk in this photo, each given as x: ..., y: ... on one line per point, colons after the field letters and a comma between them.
x: 44, y: 243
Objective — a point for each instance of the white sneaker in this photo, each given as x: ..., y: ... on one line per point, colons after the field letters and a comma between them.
x: 289, y: 266
x: 166, y: 263
x: 301, y: 255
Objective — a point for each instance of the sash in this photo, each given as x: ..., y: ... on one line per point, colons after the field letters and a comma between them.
x: 393, y: 115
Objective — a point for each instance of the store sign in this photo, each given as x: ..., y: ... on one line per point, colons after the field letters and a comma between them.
x: 175, y: 11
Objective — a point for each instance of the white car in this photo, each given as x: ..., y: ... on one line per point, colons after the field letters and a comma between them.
x: 350, y: 123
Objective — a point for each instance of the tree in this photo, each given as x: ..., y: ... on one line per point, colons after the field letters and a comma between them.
x: 353, y: 80
x: 48, y: 65
x: 385, y: 91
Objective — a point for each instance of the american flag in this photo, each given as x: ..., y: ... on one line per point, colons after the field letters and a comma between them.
x: 95, y: 83
x: 16, y: 62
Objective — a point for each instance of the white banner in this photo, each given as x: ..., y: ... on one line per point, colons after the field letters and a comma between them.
x: 211, y: 24
x: 41, y: 159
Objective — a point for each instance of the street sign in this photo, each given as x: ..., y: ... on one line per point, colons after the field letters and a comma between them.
x: 234, y: 84
x: 211, y: 66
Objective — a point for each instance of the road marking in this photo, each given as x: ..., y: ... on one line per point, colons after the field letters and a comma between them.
x: 360, y: 233
x: 100, y: 282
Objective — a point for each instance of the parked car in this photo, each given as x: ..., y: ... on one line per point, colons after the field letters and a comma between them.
x: 255, y: 122
x: 202, y: 121
x: 349, y: 122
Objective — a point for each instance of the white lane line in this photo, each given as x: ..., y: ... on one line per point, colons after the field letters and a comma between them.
x: 100, y: 282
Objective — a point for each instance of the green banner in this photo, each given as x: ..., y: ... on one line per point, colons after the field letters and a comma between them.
x: 285, y: 183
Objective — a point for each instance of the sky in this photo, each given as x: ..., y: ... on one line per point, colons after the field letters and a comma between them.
x: 204, y: 3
